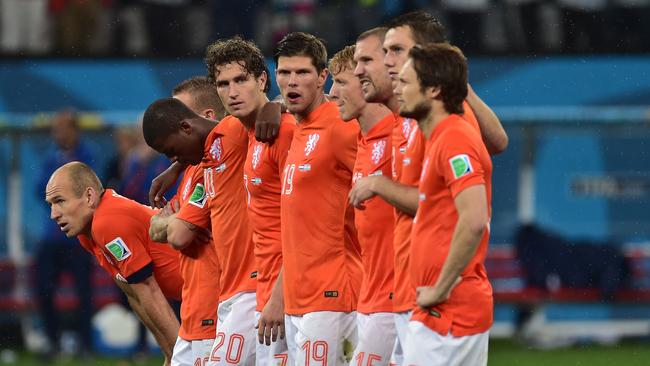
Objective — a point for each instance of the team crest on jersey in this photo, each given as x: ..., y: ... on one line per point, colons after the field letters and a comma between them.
x: 216, y: 150
x: 257, y: 153
x: 406, y: 127
x: 378, y: 149
x: 117, y: 247
x: 311, y: 143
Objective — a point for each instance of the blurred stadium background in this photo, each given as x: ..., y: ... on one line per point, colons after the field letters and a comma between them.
x: 570, y: 80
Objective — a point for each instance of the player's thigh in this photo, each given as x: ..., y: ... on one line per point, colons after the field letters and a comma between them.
x: 182, y: 353
x: 275, y: 354
x: 234, y: 343
x: 425, y: 347
x: 401, y: 327
x: 376, y: 339
x: 201, y: 350
x: 325, y: 338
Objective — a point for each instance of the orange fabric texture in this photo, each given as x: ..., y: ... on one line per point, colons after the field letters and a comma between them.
x: 124, y: 249
x: 198, y: 262
x: 375, y: 223
x: 456, y: 159
x: 263, y: 179
x: 321, y: 253
x: 223, y: 166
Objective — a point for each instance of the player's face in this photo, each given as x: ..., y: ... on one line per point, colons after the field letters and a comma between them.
x: 182, y: 146
x: 412, y: 100
x: 300, y: 83
x: 346, y: 92
x: 371, y: 71
x: 397, y: 44
x: 240, y: 92
x: 73, y: 214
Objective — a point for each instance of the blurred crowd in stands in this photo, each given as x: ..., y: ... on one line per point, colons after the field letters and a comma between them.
x: 179, y: 28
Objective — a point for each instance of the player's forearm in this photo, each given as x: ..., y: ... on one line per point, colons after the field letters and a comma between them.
x: 277, y: 295
x: 403, y: 197
x: 162, y: 321
x: 492, y: 132
x: 466, y: 239
x: 158, y: 228
x: 180, y: 233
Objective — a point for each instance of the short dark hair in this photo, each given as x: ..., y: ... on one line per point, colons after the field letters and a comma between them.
x: 238, y: 50
x: 302, y: 44
x: 442, y: 65
x: 203, y: 92
x: 379, y: 32
x: 424, y: 27
x: 343, y: 60
x: 81, y: 177
x: 162, y: 119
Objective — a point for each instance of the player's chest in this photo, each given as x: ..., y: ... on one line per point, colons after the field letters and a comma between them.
x: 373, y: 158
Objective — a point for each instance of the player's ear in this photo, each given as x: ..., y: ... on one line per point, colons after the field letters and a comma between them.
x: 209, y: 114
x: 322, y: 77
x: 433, y: 92
x: 262, y: 80
x: 185, y: 127
x: 91, y: 197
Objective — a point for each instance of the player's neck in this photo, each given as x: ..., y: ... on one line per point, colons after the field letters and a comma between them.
x: 205, y: 127
x: 432, y: 120
x: 318, y: 100
x: 370, y: 115
x: 250, y: 120
x: 393, y: 105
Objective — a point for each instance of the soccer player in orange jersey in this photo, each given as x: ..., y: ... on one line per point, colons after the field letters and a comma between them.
x: 451, y: 229
x: 322, y: 268
x: 375, y: 221
x: 242, y: 80
x: 147, y: 272
x: 408, y: 146
x: 173, y: 129
x: 183, y: 230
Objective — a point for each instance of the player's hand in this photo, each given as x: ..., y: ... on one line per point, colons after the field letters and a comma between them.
x: 162, y: 183
x: 167, y: 362
x: 271, y: 323
x: 362, y: 191
x: 428, y: 296
x: 203, y: 235
x: 170, y: 208
x: 267, y: 124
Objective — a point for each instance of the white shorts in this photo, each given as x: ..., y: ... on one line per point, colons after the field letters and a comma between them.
x: 236, y: 336
x: 191, y: 353
x: 274, y: 355
x: 325, y: 338
x: 428, y: 348
x: 376, y: 339
x: 402, y: 327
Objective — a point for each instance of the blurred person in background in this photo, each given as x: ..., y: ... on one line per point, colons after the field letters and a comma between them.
x: 76, y: 24
x: 55, y: 253
x: 583, y: 25
x: 23, y: 26
x: 125, y: 138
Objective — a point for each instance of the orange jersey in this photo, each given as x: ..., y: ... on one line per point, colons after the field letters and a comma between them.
x: 199, y: 262
x: 263, y: 180
x: 322, y: 266
x: 407, y: 170
x: 456, y: 159
x: 223, y: 164
x: 375, y: 223
x: 120, y: 242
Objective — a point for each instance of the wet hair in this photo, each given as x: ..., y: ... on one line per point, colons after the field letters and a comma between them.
x: 302, y: 44
x: 424, y: 27
x: 162, y: 119
x: 379, y: 32
x: 236, y: 49
x: 343, y: 60
x: 442, y: 65
x: 82, y: 176
x: 203, y: 92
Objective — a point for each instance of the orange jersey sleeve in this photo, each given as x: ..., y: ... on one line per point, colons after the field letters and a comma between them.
x: 199, y: 265
x: 127, y: 246
x: 322, y: 268
x: 223, y: 168
x: 263, y: 180
x: 375, y: 223
x: 456, y: 159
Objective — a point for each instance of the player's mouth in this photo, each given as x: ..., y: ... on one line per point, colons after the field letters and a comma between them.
x: 64, y: 226
x: 393, y: 75
x: 293, y: 97
x: 235, y: 105
x: 365, y: 84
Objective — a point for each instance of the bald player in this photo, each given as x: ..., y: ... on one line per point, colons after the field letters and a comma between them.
x: 408, y: 143
x: 450, y: 234
x: 187, y: 230
x: 375, y: 222
x: 148, y: 273
x: 322, y: 268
